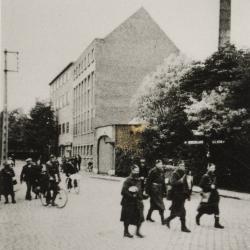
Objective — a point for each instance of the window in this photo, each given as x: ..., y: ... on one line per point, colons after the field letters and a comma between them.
x: 63, y: 128
x: 67, y: 127
x: 67, y: 98
x: 84, y: 150
x: 87, y: 150
x: 59, y: 129
x: 92, y: 55
x: 85, y: 62
x: 88, y: 59
x: 91, y: 150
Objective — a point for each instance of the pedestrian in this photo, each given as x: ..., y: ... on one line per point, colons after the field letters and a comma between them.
x: 69, y: 170
x: 79, y: 161
x: 181, y: 191
x: 7, y: 176
x: 90, y: 166
x: 132, y: 205
x: 210, y: 197
x: 156, y: 189
x: 28, y: 175
x: 52, y: 168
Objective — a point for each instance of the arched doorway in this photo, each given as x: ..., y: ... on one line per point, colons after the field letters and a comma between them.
x: 105, y: 155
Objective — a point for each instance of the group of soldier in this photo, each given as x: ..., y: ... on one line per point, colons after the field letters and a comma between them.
x: 177, y: 188
x: 39, y: 178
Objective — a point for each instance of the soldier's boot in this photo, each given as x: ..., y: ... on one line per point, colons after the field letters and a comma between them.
x: 138, y: 234
x: 217, y: 222
x: 183, y: 226
x: 197, y: 219
x: 13, y: 199
x: 126, y: 232
x: 150, y: 211
x: 167, y: 221
x: 162, y: 217
x: 6, y: 199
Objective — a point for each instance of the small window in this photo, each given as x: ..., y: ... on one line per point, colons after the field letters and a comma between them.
x: 63, y: 128
x: 67, y: 127
x: 88, y: 59
x: 92, y: 55
x: 59, y: 129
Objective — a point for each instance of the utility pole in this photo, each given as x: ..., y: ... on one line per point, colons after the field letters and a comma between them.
x: 4, y: 153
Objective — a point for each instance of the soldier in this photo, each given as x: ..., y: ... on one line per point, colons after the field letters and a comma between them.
x: 7, y: 174
x: 52, y: 168
x: 132, y: 205
x: 181, y: 190
x: 28, y: 175
x: 156, y: 189
x: 210, y: 197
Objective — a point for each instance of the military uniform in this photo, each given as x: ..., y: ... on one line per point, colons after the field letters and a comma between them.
x: 180, y: 192
x: 156, y: 189
x: 132, y: 205
x: 210, y: 198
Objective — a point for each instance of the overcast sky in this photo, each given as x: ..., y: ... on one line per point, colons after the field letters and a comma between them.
x: 51, y: 33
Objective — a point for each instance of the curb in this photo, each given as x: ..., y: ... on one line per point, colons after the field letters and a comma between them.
x: 196, y: 189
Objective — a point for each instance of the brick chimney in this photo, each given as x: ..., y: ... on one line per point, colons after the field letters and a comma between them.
x: 225, y: 22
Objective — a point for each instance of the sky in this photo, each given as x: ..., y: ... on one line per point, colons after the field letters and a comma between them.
x: 48, y: 34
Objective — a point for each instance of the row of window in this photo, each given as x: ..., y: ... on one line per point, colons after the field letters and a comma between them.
x: 83, y: 123
x: 61, y: 102
x: 61, y: 80
x: 83, y: 64
x: 84, y: 95
x: 83, y: 150
x: 63, y: 128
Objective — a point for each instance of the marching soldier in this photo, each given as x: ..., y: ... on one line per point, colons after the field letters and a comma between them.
x: 156, y: 189
x: 132, y: 205
x: 210, y: 197
x: 181, y: 190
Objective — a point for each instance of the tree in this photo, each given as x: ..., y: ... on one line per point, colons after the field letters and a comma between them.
x: 162, y: 105
x: 219, y: 107
x: 17, y: 124
x: 42, y: 130
x: 221, y: 102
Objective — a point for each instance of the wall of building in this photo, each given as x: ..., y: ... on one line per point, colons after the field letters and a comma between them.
x: 61, y: 96
x: 123, y: 59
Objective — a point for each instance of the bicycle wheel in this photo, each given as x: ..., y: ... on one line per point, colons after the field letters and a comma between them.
x: 61, y: 198
x: 43, y: 200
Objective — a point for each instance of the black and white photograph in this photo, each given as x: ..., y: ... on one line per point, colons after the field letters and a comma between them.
x: 125, y: 124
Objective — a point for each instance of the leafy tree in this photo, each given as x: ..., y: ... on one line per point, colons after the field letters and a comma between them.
x: 220, y: 108
x: 42, y: 130
x: 17, y: 125
x: 162, y: 105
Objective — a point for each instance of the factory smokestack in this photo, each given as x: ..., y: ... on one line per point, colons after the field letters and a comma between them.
x: 225, y: 22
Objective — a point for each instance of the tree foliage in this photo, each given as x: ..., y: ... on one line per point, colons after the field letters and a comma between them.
x: 17, y: 125
x: 42, y: 129
x: 211, y: 97
x: 35, y: 134
x: 162, y: 105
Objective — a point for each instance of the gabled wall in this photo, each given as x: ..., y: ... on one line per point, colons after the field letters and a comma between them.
x: 125, y: 57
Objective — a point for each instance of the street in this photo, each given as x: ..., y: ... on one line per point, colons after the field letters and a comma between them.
x: 90, y: 221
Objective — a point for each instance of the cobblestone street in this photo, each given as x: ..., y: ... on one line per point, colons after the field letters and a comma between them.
x: 90, y: 221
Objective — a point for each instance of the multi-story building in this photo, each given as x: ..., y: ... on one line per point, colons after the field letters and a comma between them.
x: 105, y: 77
x: 61, y: 90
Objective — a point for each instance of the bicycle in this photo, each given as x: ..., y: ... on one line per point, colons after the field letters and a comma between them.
x: 60, y: 200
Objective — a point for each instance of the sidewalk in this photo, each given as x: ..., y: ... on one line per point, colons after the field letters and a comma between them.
x: 196, y: 189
